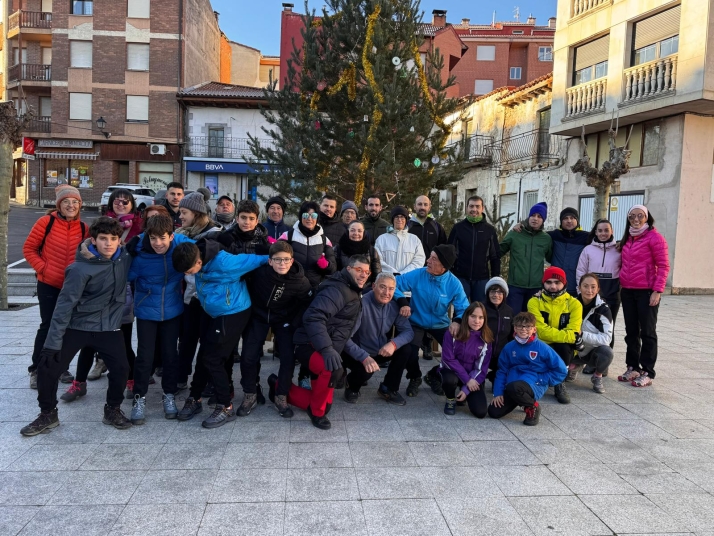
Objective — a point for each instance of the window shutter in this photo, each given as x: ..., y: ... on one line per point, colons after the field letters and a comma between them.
x: 657, y: 27
x: 80, y: 106
x: 592, y: 53
x: 80, y: 54
x: 529, y: 199
x: 509, y: 204
x: 482, y: 87
x: 137, y: 57
x: 138, y: 9
x: 137, y: 108
x: 486, y: 53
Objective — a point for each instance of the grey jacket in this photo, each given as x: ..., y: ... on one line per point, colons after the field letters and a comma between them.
x: 93, y: 295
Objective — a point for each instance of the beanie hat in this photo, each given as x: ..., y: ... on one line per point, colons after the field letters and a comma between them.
x: 205, y: 192
x: 399, y: 211
x: 276, y: 200
x: 349, y: 205
x: 554, y: 272
x: 446, y: 254
x: 64, y: 191
x: 194, y: 201
x: 642, y: 208
x: 541, y: 209
x: 570, y: 211
x: 497, y: 282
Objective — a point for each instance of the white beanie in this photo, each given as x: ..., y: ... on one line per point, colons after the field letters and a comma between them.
x: 497, y: 281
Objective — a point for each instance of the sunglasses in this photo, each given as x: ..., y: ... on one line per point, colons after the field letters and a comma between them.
x: 123, y: 202
x: 309, y: 215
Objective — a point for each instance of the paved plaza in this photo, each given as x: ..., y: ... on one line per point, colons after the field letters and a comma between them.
x: 631, y: 461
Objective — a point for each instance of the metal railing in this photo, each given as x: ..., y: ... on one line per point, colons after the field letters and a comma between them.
x: 586, y: 98
x: 527, y: 149
x: 218, y: 147
x: 30, y: 19
x: 40, y: 124
x: 583, y: 6
x: 475, y: 150
x: 30, y: 71
x: 650, y: 80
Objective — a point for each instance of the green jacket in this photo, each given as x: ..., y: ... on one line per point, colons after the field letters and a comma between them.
x: 529, y: 249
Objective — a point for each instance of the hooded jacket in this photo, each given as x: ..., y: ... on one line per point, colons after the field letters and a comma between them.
x: 477, y: 248
x: 468, y: 360
x: 308, y: 250
x: 275, y: 229
x: 604, y: 260
x: 236, y: 241
x: 376, y: 227
x: 535, y: 363
x: 645, y: 262
x: 333, y: 228
x: 212, y: 229
x: 557, y: 319
x: 500, y: 321
x: 431, y: 297
x: 277, y: 298
x: 567, y: 247
x: 431, y: 233
x: 597, y: 326
x: 400, y: 252
x: 529, y: 249
x: 93, y: 295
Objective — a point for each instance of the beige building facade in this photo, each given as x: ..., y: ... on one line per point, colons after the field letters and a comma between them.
x: 250, y: 68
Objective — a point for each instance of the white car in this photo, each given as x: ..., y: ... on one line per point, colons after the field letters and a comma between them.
x: 144, y: 196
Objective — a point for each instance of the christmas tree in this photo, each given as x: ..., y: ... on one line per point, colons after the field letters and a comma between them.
x: 360, y: 110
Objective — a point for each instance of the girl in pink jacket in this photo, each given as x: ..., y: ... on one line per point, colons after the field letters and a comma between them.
x: 645, y: 266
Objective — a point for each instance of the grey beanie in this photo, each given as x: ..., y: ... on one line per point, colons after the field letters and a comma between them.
x: 206, y: 193
x: 349, y: 205
x: 497, y: 282
x: 194, y: 201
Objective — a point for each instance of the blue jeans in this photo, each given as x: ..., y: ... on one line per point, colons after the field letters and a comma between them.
x: 475, y: 289
x: 518, y: 298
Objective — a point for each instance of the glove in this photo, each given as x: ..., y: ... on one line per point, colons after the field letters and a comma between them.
x: 49, y: 357
x: 271, y: 240
x: 333, y: 361
x: 579, y: 344
x: 323, y: 264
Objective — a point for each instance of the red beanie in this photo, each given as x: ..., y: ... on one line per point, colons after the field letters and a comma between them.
x: 554, y: 273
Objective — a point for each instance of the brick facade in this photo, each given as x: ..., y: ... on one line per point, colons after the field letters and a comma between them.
x: 163, y: 63
x: 109, y: 60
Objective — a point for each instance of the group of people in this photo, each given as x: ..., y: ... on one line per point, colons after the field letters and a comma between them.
x: 341, y: 296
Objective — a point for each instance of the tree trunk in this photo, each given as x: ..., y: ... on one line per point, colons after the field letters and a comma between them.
x: 602, y: 201
x: 6, y: 162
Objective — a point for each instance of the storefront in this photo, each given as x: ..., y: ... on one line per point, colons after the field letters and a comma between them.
x: 234, y: 179
x: 66, y: 162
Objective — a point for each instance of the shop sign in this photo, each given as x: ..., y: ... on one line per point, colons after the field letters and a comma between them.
x: 66, y: 144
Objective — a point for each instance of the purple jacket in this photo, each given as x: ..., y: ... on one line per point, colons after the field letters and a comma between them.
x: 468, y: 360
x: 645, y: 262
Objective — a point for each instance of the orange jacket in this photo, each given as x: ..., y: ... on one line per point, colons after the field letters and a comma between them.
x: 59, y: 249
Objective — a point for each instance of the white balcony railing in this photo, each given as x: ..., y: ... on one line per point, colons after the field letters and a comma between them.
x: 586, y: 98
x: 583, y: 6
x: 650, y: 80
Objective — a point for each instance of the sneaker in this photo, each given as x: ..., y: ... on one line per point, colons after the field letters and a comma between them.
x: 643, y: 380
x: 587, y: 369
x: 393, y: 397
x: 75, y: 390
x: 116, y: 418
x: 284, y: 409
x: 43, y: 424
x: 190, y: 408
x: 598, y: 387
x: 159, y: 372
x: 532, y: 414
x: 250, y: 400
x: 220, y: 416
x: 572, y: 374
x: 561, y: 394
x: 323, y: 423
x: 170, y: 409
x: 629, y: 375
x: 259, y: 394
x: 66, y: 377
x: 305, y: 384
x: 33, y: 380
x: 450, y: 406
x: 413, y: 387
x: 434, y: 381
x: 129, y: 391
x: 351, y: 396
x: 97, y: 371
x: 138, y: 410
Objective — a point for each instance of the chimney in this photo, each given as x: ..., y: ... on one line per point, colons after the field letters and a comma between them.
x: 438, y: 18
x: 288, y: 7
x: 551, y: 22
x: 465, y: 22
x: 531, y: 20
x: 216, y: 14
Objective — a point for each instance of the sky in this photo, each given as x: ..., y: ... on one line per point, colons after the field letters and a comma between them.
x: 256, y: 23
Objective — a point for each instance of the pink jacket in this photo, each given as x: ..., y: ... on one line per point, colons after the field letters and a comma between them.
x: 601, y: 259
x: 645, y: 262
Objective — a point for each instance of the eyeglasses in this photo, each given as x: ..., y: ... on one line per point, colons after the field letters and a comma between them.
x: 123, y: 202
x: 522, y: 328
x: 361, y: 271
x: 69, y: 202
x: 496, y: 290
x: 280, y: 260
x: 633, y: 217
x: 309, y: 215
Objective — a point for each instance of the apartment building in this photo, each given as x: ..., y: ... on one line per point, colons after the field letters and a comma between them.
x: 101, y: 77
x: 251, y: 68
x: 648, y: 65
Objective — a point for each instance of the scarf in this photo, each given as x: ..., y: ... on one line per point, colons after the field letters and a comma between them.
x: 244, y: 236
x: 640, y: 231
x: 226, y: 217
x: 521, y: 340
x: 307, y: 232
x: 474, y: 220
x: 554, y: 295
x: 351, y: 247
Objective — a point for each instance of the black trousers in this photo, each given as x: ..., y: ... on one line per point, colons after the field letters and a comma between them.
x: 614, y: 305
x: 148, y: 333
x: 253, y: 341
x: 517, y: 393
x: 219, y: 337
x: 599, y: 357
x: 109, y: 343
x: 47, y: 297
x: 188, y: 340
x: 358, y: 375
x: 86, y: 359
x: 476, y: 400
x: 640, y: 329
x: 413, y: 370
x: 564, y: 350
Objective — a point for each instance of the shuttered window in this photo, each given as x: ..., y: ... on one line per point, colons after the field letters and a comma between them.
x: 486, y: 53
x: 481, y: 87
x: 80, y: 53
x: 137, y: 57
x: 592, y: 53
x: 508, y: 205
x: 138, y: 9
x: 137, y: 108
x: 529, y: 199
x: 80, y: 106
x: 656, y: 28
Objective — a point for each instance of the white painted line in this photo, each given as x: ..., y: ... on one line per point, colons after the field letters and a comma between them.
x: 16, y: 263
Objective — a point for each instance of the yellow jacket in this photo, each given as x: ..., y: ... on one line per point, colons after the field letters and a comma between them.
x: 557, y: 320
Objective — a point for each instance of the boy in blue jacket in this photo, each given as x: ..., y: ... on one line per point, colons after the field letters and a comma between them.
x: 526, y: 367
x: 158, y: 305
x: 226, y: 304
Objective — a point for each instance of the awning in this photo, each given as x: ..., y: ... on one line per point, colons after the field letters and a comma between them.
x: 67, y: 155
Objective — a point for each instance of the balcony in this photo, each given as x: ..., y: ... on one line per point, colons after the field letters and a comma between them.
x: 580, y: 7
x: 28, y: 19
x: 39, y: 124
x: 29, y: 72
x: 527, y: 149
x: 475, y: 150
x: 650, y: 80
x: 585, y: 99
x: 219, y: 147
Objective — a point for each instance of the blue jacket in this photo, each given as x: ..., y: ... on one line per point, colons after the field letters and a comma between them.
x: 431, y: 297
x: 157, y: 286
x: 535, y: 363
x: 275, y: 229
x: 567, y: 247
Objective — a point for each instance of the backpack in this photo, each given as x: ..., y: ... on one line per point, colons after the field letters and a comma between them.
x: 49, y: 228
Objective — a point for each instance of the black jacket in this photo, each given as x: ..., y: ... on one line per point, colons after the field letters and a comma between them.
x: 374, y: 227
x: 346, y: 248
x: 331, y: 317
x: 307, y: 250
x: 500, y: 321
x: 236, y: 241
x: 276, y: 298
x: 332, y: 228
x: 431, y: 233
x: 174, y: 215
x: 476, y: 247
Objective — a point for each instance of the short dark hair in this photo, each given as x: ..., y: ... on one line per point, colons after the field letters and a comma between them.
x: 105, y: 225
x: 475, y: 198
x: 524, y: 319
x: 358, y: 259
x: 174, y: 185
x: 373, y: 196
x: 185, y: 256
x: 329, y: 196
x: 307, y: 205
x: 159, y: 225
x: 281, y: 246
x: 248, y: 206
x: 121, y: 193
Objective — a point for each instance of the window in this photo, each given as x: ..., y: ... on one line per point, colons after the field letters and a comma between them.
x: 650, y: 144
x: 216, y: 139
x: 80, y: 106
x: 486, y: 53
x: 590, y: 73
x: 45, y: 106
x: 656, y: 36
x: 80, y: 54
x: 655, y: 51
x: 46, y: 55
x: 137, y: 108
x: 137, y: 57
x: 82, y: 7
x: 517, y: 32
x: 16, y: 55
x: 515, y: 73
x: 529, y: 199
x: 544, y: 138
x: 590, y: 60
x: 545, y: 53
x: 138, y: 9
x: 156, y: 175
x: 481, y: 87
x: 508, y: 204
x: 644, y: 144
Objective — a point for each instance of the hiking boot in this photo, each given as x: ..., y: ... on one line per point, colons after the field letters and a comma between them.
x: 129, y: 391
x: 259, y: 394
x: 643, y: 380
x: 323, y: 423
x: 598, y: 387
x: 572, y: 374
x: 250, y: 400
x: 351, y: 396
x: 532, y: 414
x: 561, y: 394
x: 116, y: 418
x: 284, y: 409
x: 413, y: 387
x: 97, y: 371
x: 629, y: 375
x: 170, y: 409
x: 587, y: 369
x: 220, y: 416
x: 450, y: 406
x: 75, y: 390
x: 427, y: 353
x: 190, y: 408
x: 138, y: 410
x: 43, y: 424
x: 393, y: 397
x: 434, y: 381
x: 33, y: 380
x: 66, y: 377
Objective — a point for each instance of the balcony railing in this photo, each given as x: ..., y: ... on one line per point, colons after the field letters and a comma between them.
x: 210, y: 147
x: 39, y: 124
x: 586, y: 98
x: 527, y: 149
x: 650, y: 80
x: 29, y: 71
x: 30, y: 19
x: 583, y: 6
x: 476, y: 149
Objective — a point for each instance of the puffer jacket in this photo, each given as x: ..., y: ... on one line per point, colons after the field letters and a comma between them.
x: 557, y: 320
x: 236, y: 241
x: 59, y: 250
x: 567, y: 247
x: 346, y: 248
x: 333, y: 227
x: 500, y: 321
x: 477, y: 249
x: 603, y: 260
x: 645, y: 262
x: 597, y: 326
x: 308, y: 250
x: 190, y: 279
x: 93, y: 295
x: 157, y: 286
x: 400, y: 252
x: 528, y: 249
x: 468, y: 360
x: 431, y: 297
x: 535, y: 363
x: 277, y: 298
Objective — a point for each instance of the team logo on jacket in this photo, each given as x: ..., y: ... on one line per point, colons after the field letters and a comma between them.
x: 533, y: 354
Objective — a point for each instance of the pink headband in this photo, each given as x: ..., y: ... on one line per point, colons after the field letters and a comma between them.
x: 642, y: 208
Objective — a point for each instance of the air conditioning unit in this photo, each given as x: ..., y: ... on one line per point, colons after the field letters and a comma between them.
x: 157, y: 148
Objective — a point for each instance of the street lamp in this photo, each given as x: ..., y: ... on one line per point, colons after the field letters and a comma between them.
x: 101, y: 124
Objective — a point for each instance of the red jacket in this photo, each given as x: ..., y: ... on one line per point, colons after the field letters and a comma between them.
x: 59, y: 249
x: 645, y: 262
